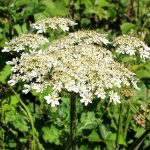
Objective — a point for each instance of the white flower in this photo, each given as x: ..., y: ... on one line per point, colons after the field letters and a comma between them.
x: 114, y: 97
x: 70, y: 86
x: 33, y: 74
x: 28, y: 88
x: 64, y: 27
x: 86, y: 98
x: 9, y: 63
x: 37, y: 88
x: 130, y: 50
x: 12, y: 82
x: 116, y: 82
x: 52, y: 99
x: 144, y: 54
x: 5, y: 49
x: 134, y: 83
x: 100, y: 93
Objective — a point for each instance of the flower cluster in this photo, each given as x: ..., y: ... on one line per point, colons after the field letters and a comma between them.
x: 76, y: 63
x: 131, y: 45
x: 33, y: 69
x: 89, y: 70
x: 29, y: 41
x: 81, y: 37
x: 53, y: 23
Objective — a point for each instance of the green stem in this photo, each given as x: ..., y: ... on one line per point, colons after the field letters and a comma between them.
x: 29, y: 115
x: 127, y: 121
x: 119, y: 127
x: 73, y: 122
x: 139, y: 141
x: 3, y: 131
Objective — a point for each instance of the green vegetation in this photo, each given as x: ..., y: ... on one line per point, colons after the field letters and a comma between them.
x: 27, y: 122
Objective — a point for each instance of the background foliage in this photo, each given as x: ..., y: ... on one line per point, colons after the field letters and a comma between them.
x: 26, y: 120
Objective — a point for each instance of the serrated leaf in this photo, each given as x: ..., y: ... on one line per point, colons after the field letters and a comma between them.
x: 20, y: 123
x: 88, y: 120
x: 51, y: 135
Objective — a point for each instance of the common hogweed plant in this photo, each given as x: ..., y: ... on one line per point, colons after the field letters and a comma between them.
x: 80, y: 62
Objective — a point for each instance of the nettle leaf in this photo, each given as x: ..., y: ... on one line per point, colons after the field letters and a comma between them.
x: 94, y: 137
x: 5, y: 73
x: 51, y: 134
x: 127, y: 27
x: 104, y: 131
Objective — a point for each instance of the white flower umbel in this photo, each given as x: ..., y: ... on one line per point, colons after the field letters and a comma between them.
x: 114, y: 97
x: 52, y: 23
x: 25, y: 41
x: 81, y: 69
x: 132, y: 46
x: 52, y: 99
x: 76, y: 63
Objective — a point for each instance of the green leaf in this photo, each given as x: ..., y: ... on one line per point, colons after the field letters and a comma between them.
x: 127, y: 27
x: 104, y: 131
x: 94, y: 137
x: 104, y: 3
x: 88, y: 121
x: 83, y: 147
x: 14, y: 100
x: 87, y: 3
x: 51, y: 134
x: 144, y: 71
x: 24, y: 28
x: 141, y: 94
x: 139, y: 132
x: 20, y: 123
x: 112, y: 137
x: 18, y: 29
x: 5, y: 73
